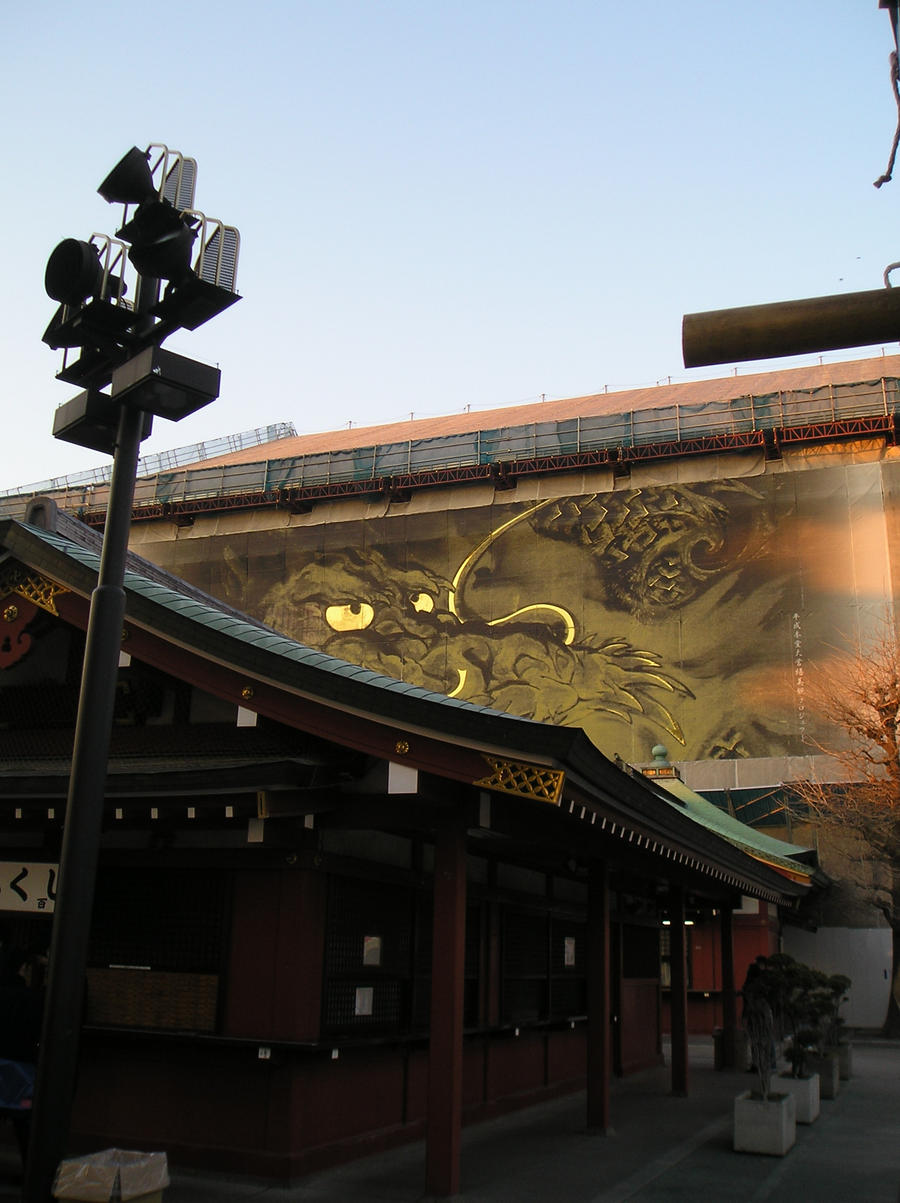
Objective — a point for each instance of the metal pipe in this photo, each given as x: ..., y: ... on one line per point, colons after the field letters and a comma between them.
x: 850, y: 319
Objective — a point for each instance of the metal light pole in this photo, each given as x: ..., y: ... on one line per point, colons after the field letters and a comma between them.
x: 58, y: 1061
x: 144, y: 380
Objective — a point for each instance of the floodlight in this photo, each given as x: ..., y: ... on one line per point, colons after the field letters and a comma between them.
x: 130, y: 181
x: 164, y: 239
x: 162, y: 232
x: 93, y: 368
x: 91, y: 419
x: 87, y: 278
x: 161, y: 185
x: 161, y: 240
x: 140, y: 175
x: 77, y: 270
x: 73, y: 272
x: 209, y: 288
x: 163, y: 383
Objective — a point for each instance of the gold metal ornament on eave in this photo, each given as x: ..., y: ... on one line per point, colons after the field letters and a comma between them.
x: 33, y: 586
x: 523, y: 780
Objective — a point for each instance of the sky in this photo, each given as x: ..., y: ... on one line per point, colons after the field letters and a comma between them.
x: 445, y: 205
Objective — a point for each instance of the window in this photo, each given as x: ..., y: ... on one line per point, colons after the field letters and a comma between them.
x: 368, y: 946
x: 665, y: 958
x: 544, y: 971
x: 525, y: 962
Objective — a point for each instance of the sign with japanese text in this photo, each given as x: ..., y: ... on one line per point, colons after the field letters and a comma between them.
x: 28, y: 887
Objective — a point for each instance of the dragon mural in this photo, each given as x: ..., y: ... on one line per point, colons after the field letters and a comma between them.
x: 567, y: 610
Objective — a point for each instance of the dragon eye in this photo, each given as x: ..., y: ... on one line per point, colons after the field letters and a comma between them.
x: 422, y: 602
x: 354, y: 616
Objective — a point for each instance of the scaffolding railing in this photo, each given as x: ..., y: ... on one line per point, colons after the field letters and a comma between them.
x: 161, y: 461
x: 835, y: 410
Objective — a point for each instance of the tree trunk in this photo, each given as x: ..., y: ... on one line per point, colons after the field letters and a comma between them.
x: 892, y: 1022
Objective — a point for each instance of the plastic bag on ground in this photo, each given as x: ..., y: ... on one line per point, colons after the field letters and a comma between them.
x: 114, y: 1174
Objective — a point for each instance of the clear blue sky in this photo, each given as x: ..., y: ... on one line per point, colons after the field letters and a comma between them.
x: 442, y: 203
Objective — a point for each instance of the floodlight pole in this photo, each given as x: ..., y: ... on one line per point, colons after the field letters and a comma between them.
x: 830, y: 323
x: 64, y: 1004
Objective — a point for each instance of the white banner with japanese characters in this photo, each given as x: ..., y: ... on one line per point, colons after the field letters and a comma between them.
x: 28, y: 887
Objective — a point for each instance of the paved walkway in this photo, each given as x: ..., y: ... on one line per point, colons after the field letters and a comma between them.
x: 662, y: 1149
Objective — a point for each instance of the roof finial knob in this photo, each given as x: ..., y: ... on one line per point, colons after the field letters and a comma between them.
x: 660, y: 754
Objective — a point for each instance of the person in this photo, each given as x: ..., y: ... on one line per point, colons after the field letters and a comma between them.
x: 753, y: 980
x: 21, y: 1011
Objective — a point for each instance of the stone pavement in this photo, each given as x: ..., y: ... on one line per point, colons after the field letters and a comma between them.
x: 661, y: 1149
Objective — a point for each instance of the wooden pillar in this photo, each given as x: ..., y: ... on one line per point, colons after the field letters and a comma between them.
x: 599, y: 1045
x: 492, y: 971
x: 729, y: 997
x: 678, y: 995
x: 443, y: 1131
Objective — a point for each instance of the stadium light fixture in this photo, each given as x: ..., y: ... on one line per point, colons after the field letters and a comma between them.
x: 120, y: 342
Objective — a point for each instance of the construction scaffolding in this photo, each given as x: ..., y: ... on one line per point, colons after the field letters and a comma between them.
x: 162, y: 461
x: 502, y: 454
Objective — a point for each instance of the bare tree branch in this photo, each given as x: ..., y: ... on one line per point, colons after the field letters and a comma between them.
x: 858, y: 693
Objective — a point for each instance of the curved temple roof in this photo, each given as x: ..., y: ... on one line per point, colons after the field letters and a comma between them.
x: 766, y: 848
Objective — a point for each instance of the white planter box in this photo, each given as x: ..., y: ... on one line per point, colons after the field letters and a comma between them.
x: 765, y: 1125
x: 806, y: 1096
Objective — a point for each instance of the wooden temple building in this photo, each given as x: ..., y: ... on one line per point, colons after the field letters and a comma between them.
x: 336, y: 911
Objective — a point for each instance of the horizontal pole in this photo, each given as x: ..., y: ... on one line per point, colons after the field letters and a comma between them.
x: 850, y: 319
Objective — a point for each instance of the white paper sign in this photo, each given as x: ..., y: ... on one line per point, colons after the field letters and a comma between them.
x: 28, y: 887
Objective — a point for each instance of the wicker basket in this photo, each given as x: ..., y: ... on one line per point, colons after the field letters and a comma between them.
x: 143, y: 998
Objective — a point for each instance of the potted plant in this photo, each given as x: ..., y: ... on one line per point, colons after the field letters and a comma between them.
x: 794, y: 988
x: 764, y: 1121
x: 815, y: 1045
x: 837, y: 987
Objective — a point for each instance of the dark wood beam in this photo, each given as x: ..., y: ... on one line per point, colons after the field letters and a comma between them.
x: 443, y: 1135
x: 678, y: 993
x: 729, y: 996
x: 599, y: 1038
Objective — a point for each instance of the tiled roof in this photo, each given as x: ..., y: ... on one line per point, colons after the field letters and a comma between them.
x: 778, y: 853
x: 694, y: 392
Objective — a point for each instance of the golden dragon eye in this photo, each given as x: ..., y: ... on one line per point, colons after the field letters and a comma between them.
x: 422, y: 602
x: 353, y: 616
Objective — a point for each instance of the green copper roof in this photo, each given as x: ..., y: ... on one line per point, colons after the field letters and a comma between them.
x: 749, y: 839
